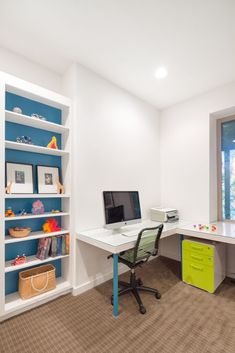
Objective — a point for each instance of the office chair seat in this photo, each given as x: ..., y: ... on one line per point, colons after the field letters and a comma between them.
x: 147, y: 245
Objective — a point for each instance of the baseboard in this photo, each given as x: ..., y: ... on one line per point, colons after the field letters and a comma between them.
x: 97, y: 280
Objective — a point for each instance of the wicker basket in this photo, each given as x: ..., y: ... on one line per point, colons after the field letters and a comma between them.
x: 36, y: 281
x: 19, y: 232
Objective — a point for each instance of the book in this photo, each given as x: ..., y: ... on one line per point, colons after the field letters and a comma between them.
x: 59, y: 246
x: 54, y: 246
x: 44, y: 245
x: 63, y: 245
x: 67, y: 244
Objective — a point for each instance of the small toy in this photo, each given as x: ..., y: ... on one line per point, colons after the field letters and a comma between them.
x: 17, y: 110
x: 21, y: 212
x: 38, y: 116
x: 8, y: 187
x: 9, y: 212
x: 24, y: 139
x: 213, y: 228
x: 19, y: 260
x: 55, y: 211
x: 51, y: 225
x: 53, y: 143
x: 38, y: 207
x: 60, y: 187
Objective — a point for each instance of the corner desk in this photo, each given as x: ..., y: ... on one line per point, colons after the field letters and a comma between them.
x: 114, y: 242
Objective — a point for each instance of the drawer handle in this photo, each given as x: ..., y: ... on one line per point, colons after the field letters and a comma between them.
x: 197, y: 268
x: 196, y: 258
x: 197, y: 247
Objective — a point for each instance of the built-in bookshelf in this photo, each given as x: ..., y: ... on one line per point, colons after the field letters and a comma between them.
x: 33, y: 99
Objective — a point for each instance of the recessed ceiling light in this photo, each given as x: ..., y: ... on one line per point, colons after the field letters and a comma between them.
x: 161, y: 73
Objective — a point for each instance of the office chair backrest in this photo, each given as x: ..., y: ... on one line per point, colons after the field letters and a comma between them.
x: 147, y: 243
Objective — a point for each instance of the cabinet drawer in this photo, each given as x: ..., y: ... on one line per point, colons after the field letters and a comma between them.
x: 198, y: 275
x: 200, y: 248
x: 197, y: 257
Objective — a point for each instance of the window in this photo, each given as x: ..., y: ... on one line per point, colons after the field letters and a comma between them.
x: 226, y: 169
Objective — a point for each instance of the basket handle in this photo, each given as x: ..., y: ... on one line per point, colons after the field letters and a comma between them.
x: 41, y: 289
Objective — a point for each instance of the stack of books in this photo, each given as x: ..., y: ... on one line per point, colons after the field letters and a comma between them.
x: 53, y: 246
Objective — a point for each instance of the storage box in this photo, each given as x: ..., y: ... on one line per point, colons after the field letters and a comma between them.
x: 36, y: 281
x: 203, y: 264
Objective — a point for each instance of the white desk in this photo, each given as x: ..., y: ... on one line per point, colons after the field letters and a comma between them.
x: 115, y: 242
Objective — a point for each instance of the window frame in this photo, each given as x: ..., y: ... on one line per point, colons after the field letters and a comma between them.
x: 219, y: 168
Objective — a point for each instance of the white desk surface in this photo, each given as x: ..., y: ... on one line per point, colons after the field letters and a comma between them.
x: 225, y: 232
x: 115, y: 242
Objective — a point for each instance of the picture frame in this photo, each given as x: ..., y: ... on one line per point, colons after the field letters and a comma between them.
x: 20, y: 178
x: 47, y: 178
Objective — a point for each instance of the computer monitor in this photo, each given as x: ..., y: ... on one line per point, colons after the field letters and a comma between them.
x: 121, y: 208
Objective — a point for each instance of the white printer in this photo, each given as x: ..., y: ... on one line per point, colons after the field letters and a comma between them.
x: 164, y: 214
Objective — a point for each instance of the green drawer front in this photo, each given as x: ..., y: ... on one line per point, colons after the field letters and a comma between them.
x: 198, y: 275
x: 200, y: 248
x: 198, y: 257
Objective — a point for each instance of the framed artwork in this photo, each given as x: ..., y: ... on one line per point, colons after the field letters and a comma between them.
x: 20, y: 178
x: 47, y: 178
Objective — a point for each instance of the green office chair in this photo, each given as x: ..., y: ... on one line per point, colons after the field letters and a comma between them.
x: 147, y: 245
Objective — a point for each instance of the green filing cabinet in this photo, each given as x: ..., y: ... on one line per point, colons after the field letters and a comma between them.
x: 203, y: 264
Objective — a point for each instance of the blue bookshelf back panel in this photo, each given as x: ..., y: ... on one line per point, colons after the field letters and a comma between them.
x: 39, y: 137
x: 12, y: 278
x: 29, y: 107
x: 36, y: 224
x: 19, y: 204
x: 25, y: 247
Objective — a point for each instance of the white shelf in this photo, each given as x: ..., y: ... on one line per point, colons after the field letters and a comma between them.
x: 34, y: 235
x: 34, y: 149
x: 35, y: 196
x: 31, y: 261
x: 34, y: 122
x: 14, y: 302
x: 43, y: 215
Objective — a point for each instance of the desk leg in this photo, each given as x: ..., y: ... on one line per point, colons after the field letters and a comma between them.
x: 115, y: 285
x: 181, y: 255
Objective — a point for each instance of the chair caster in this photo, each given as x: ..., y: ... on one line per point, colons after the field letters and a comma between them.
x: 158, y: 295
x: 139, y: 282
x: 142, y: 310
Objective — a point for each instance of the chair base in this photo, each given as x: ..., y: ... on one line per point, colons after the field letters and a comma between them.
x: 134, y: 287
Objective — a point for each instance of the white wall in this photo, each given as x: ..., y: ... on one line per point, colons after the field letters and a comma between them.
x: 188, y: 171
x: 117, y: 148
x: 25, y: 69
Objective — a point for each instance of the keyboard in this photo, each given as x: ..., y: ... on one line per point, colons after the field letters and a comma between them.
x: 130, y: 233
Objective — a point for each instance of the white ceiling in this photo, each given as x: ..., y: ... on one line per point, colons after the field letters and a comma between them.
x: 126, y: 40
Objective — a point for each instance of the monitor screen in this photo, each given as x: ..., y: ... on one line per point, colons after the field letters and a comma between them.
x: 121, y: 206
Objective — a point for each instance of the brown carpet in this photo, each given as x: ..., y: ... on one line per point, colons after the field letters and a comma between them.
x: 185, y: 320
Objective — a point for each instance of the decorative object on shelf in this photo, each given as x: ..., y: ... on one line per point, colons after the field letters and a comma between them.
x: 19, y: 260
x: 53, y: 143
x: 9, y: 212
x: 60, y: 187
x: 44, y: 246
x: 24, y: 139
x: 47, y: 179
x: 8, y: 188
x: 55, y: 211
x: 20, y: 175
x: 22, y: 212
x: 51, y: 225
x: 38, y: 207
x: 36, y: 281
x: 37, y: 116
x: 17, y: 110
x: 19, y: 232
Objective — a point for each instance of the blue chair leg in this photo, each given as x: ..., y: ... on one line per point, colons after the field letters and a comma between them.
x: 115, y: 285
